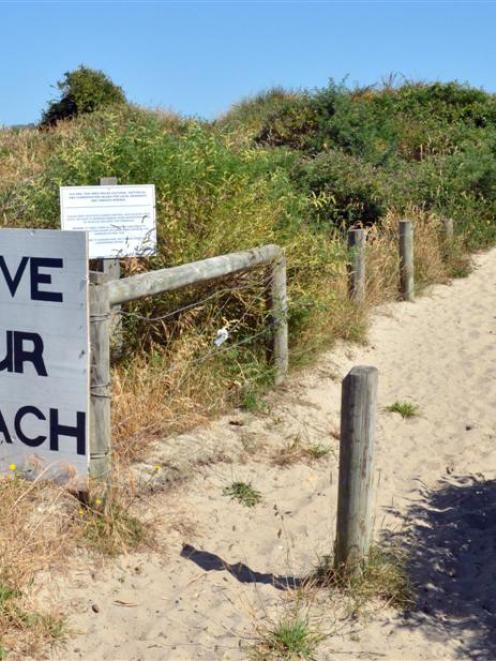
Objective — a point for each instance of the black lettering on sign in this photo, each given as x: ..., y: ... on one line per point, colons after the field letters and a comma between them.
x: 8, y: 362
x: 17, y: 353
x: 37, y: 278
x: 78, y: 432
x: 4, y: 430
x: 28, y: 410
x: 13, y: 282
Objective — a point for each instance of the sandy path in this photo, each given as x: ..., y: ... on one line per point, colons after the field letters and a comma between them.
x: 439, y: 353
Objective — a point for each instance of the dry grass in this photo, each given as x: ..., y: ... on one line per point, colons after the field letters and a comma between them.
x: 36, y: 535
x: 383, y: 577
x: 296, y: 452
x: 43, y: 529
x: 433, y: 262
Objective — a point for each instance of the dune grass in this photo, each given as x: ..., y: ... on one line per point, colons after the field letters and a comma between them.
x: 405, y: 409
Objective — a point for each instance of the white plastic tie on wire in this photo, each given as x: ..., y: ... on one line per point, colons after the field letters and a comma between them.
x: 222, y: 336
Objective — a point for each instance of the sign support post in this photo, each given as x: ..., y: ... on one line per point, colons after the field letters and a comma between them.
x: 100, y: 383
x: 112, y: 270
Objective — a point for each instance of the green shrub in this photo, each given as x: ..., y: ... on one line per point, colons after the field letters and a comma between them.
x: 83, y: 90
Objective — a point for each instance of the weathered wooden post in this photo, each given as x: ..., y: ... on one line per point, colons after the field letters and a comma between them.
x: 112, y: 270
x: 100, y: 382
x: 356, y: 264
x: 406, y: 260
x: 278, y: 314
x: 448, y: 233
x: 356, y: 469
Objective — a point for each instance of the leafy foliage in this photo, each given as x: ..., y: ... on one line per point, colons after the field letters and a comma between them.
x: 83, y: 90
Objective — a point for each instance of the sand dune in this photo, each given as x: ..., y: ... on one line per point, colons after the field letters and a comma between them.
x: 226, y: 570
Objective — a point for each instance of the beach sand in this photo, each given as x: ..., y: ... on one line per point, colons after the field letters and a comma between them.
x: 224, y: 572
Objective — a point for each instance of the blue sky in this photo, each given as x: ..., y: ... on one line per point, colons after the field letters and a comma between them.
x: 198, y: 58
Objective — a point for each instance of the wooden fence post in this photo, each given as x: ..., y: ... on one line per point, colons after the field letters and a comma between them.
x: 356, y: 264
x: 356, y: 466
x: 448, y: 236
x: 112, y: 270
x: 279, y: 312
x: 406, y: 260
x: 100, y: 383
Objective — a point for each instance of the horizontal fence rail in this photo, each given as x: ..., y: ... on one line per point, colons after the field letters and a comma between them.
x: 157, y: 282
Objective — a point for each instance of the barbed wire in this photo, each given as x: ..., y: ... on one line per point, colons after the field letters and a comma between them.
x: 189, y: 306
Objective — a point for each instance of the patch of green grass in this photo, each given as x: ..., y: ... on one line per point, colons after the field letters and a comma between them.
x: 53, y: 626
x: 41, y: 627
x: 6, y: 594
x: 111, y: 529
x: 252, y: 400
x: 289, y: 639
x: 383, y: 576
x: 244, y: 493
x: 405, y: 409
x: 317, y: 450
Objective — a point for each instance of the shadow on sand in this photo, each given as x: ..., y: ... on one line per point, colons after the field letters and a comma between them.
x: 451, y: 550
x: 241, y: 572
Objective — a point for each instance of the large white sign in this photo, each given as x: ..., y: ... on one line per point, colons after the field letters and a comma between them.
x: 44, y: 355
x: 120, y: 220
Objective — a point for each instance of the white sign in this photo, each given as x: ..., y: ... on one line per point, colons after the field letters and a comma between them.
x: 120, y: 220
x: 44, y: 355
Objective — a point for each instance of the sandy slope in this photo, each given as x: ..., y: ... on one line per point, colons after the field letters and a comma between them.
x: 184, y: 603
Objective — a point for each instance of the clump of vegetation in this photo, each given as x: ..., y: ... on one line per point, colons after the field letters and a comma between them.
x: 83, y: 90
x: 405, y: 409
x: 109, y: 528
x: 296, y: 451
x: 244, y: 493
x: 383, y: 576
x: 290, y: 639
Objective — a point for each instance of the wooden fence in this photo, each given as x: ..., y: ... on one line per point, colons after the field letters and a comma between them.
x: 359, y: 390
x: 106, y: 293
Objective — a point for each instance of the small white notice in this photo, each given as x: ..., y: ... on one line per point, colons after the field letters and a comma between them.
x: 120, y: 220
x: 44, y: 355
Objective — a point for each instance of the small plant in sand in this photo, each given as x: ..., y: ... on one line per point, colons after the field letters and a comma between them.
x: 317, y: 450
x: 109, y: 528
x: 405, y: 409
x: 244, y: 493
x: 291, y: 638
x: 383, y: 577
x: 253, y: 402
x: 36, y: 628
x: 295, y: 452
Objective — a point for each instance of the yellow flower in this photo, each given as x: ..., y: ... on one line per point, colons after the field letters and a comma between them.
x: 157, y: 467
x: 12, y: 467
x: 98, y: 501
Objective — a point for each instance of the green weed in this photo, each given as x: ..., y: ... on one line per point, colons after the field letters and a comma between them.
x: 109, y: 528
x: 317, y: 450
x: 244, y: 493
x: 405, y: 409
x: 291, y: 638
